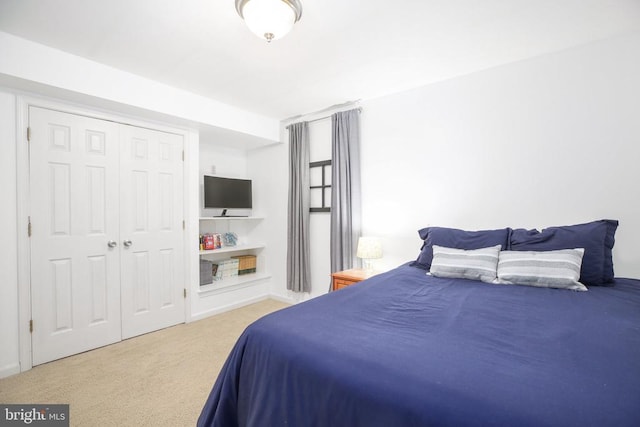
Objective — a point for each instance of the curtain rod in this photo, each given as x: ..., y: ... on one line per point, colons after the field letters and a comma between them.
x: 359, y: 109
x: 332, y: 107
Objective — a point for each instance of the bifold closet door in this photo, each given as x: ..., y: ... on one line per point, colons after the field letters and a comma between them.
x: 151, y: 230
x: 74, y: 207
x: 106, y: 207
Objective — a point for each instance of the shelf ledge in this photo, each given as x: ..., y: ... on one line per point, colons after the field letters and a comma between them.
x: 230, y: 218
x: 228, y: 249
x: 231, y: 283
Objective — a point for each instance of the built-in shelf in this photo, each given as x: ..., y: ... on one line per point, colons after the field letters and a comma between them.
x: 230, y: 282
x: 243, y: 224
x: 227, y: 249
x: 230, y: 218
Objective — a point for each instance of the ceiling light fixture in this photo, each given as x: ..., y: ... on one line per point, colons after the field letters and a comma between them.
x: 270, y: 19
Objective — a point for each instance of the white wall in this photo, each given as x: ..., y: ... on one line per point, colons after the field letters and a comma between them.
x: 320, y: 222
x: 37, y: 68
x: 9, y: 351
x: 269, y: 169
x: 554, y: 140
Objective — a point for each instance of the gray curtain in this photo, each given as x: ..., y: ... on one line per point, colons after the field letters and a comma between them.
x: 298, y: 267
x: 345, y: 188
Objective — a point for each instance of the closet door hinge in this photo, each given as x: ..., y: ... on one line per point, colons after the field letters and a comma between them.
x: 29, y: 227
x: 28, y: 134
x: 31, y: 326
x: 184, y: 225
x: 185, y: 292
x: 183, y: 155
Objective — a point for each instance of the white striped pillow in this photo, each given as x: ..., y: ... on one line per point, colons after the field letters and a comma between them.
x: 547, y: 269
x: 478, y: 264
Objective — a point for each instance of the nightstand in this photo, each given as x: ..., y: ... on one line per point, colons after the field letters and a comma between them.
x: 342, y: 279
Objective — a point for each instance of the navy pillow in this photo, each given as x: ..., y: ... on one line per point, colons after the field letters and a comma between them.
x: 597, y: 239
x: 458, y: 239
x: 609, y: 241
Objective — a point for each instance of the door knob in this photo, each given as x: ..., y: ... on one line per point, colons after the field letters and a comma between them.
x: 112, y: 243
x: 127, y: 243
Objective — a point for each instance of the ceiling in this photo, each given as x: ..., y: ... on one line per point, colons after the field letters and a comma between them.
x: 341, y: 50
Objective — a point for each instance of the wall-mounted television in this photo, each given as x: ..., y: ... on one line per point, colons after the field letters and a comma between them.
x: 227, y: 193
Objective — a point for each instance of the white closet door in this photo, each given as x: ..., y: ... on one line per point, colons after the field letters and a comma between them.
x: 151, y: 200
x: 75, y: 274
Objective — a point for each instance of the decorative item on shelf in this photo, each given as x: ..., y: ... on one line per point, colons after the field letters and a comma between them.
x: 230, y: 239
x: 369, y: 248
x: 269, y: 19
x: 205, y: 272
x: 208, y: 242
x: 246, y: 264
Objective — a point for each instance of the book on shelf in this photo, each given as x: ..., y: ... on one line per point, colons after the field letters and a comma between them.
x: 224, y: 268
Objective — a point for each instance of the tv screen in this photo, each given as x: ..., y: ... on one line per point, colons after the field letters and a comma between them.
x: 227, y: 193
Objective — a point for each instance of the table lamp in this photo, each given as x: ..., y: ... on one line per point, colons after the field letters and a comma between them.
x: 369, y: 248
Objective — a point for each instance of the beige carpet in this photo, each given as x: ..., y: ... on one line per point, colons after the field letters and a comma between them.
x: 159, y: 379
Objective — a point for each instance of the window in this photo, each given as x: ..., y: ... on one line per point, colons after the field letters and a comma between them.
x: 320, y: 185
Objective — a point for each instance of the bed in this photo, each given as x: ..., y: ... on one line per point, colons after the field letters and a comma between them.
x: 404, y: 348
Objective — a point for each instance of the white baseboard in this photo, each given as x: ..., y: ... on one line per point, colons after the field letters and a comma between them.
x: 284, y: 299
x: 239, y: 304
x: 229, y: 307
x: 8, y: 370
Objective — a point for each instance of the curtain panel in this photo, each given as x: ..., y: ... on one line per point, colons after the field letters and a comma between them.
x: 298, y: 245
x: 345, y: 189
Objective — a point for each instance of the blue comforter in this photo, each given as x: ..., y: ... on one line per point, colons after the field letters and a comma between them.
x: 406, y: 349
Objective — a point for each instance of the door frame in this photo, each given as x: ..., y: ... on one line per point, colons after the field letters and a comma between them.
x: 23, y: 102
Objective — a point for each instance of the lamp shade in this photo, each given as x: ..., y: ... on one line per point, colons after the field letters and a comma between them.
x: 269, y: 19
x: 369, y: 248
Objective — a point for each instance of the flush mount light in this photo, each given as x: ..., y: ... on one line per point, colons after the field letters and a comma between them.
x: 270, y: 19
